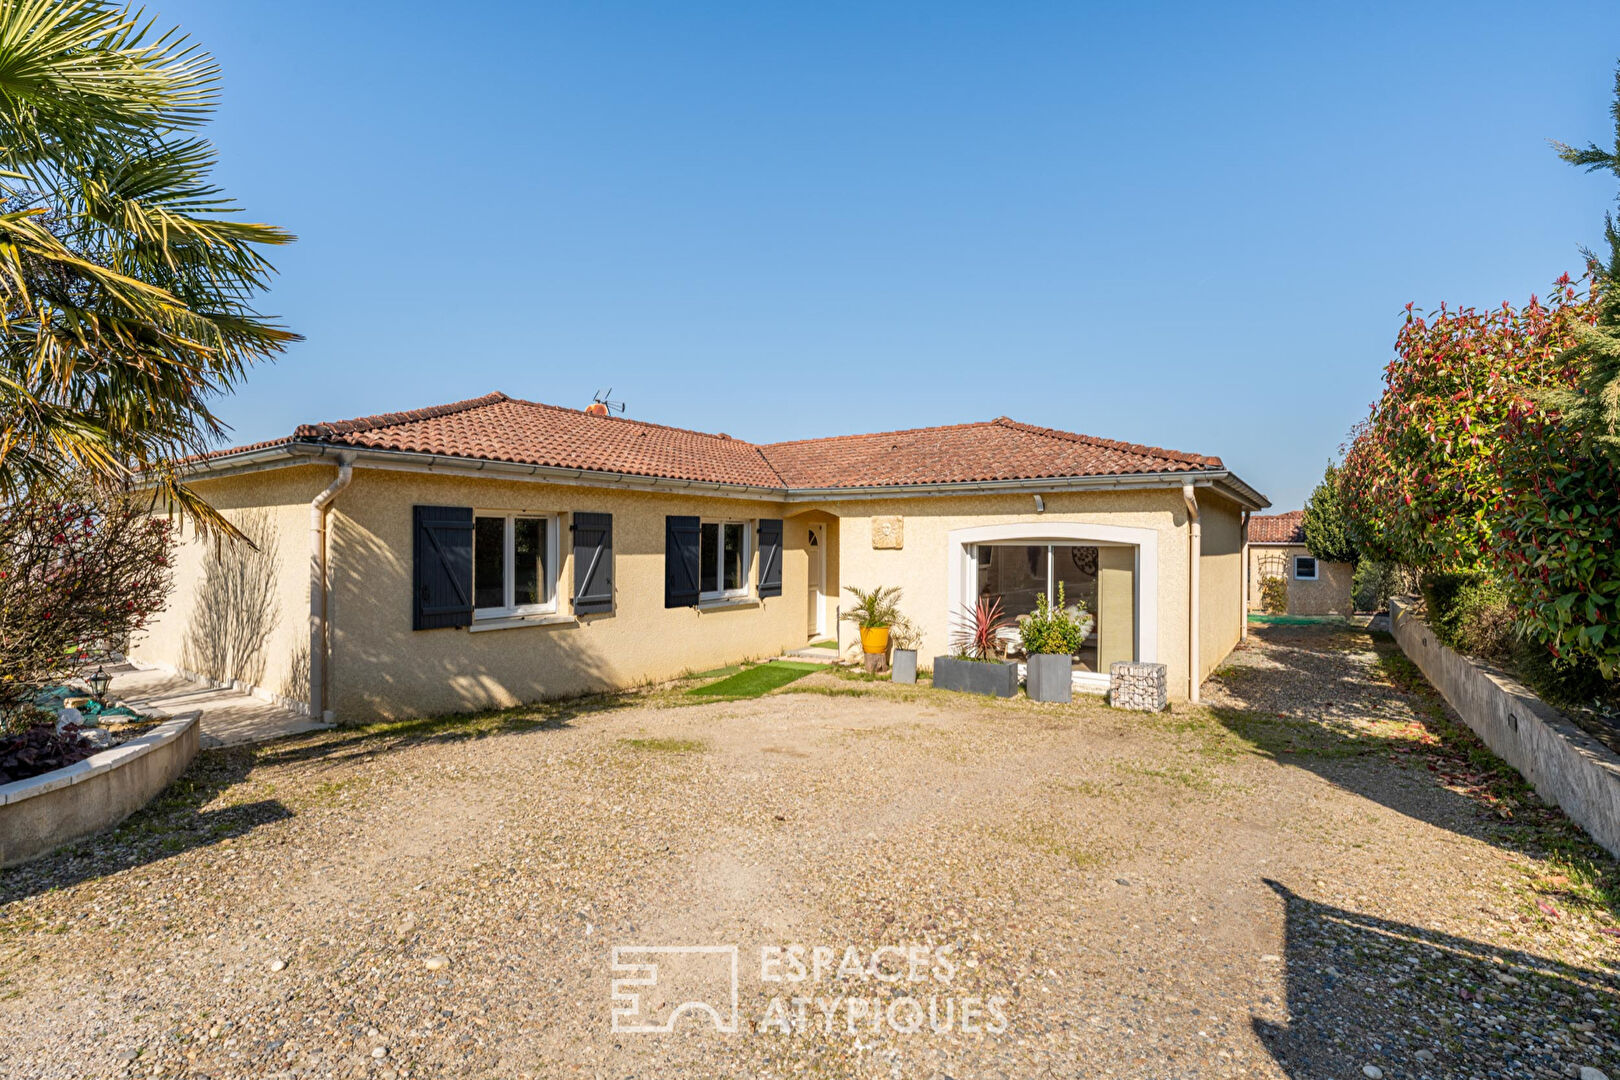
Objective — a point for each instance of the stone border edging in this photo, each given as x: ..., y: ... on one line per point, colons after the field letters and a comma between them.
x: 1566, y: 766
x: 55, y: 808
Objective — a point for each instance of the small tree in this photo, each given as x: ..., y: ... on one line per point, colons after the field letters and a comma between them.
x: 1327, y: 527
x: 1274, y: 595
x: 74, y: 570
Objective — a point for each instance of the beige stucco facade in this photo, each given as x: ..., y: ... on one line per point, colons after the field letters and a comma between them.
x: 238, y: 613
x: 1330, y: 594
x: 380, y: 667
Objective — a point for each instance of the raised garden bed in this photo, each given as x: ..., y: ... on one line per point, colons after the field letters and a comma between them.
x: 55, y: 808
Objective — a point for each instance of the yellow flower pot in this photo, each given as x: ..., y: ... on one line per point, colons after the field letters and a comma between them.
x: 875, y: 639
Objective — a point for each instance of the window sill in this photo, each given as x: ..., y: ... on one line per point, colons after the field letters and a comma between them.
x: 515, y: 621
x: 720, y: 603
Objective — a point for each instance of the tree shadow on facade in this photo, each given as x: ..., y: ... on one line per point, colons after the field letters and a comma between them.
x: 383, y: 669
x: 1416, y: 1002
x: 236, y: 606
x: 173, y: 823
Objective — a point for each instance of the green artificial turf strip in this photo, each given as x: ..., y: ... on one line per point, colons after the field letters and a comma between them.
x: 1295, y: 620
x: 756, y: 680
x: 824, y: 644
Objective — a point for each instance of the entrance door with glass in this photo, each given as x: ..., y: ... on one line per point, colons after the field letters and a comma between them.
x: 817, y: 613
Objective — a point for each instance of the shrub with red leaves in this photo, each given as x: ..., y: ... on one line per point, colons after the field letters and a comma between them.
x: 75, y: 569
x: 41, y: 749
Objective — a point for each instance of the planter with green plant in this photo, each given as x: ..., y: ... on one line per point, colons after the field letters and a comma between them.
x: 1051, y: 635
x: 905, y: 637
x: 979, y: 665
x: 874, y: 611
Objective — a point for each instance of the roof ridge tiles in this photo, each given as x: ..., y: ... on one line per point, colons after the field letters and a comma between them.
x: 1112, y: 444
x: 393, y: 419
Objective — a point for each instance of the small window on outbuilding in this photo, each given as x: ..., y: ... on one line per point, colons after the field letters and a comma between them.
x: 1304, y: 568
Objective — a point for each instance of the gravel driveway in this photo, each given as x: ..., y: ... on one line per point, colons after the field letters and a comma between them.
x: 1313, y: 875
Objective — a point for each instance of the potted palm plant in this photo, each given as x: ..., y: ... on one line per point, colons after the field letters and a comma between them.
x: 1051, y: 636
x: 979, y: 666
x: 905, y: 637
x: 874, y: 611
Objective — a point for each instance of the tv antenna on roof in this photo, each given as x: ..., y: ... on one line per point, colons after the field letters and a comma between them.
x: 608, y: 403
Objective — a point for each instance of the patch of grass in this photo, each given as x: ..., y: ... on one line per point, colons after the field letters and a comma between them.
x: 718, y: 673
x: 833, y: 645
x: 756, y: 681
x: 1195, y: 779
x: 667, y: 745
x: 1052, y: 840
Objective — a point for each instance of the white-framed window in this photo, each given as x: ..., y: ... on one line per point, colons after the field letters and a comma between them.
x: 514, y: 564
x: 723, y: 555
x: 1304, y: 568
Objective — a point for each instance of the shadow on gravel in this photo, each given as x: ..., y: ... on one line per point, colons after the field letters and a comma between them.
x: 343, y: 745
x: 172, y: 823
x: 176, y: 822
x: 1347, y: 705
x: 1415, y: 1002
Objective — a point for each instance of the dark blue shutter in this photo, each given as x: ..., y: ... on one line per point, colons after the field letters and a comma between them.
x: 593, y: 563
x: 443, y: 565
x: 770, y: 556
x: 681, y: 535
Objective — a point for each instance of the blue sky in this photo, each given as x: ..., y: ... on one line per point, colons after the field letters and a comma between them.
x: 1189, y: 225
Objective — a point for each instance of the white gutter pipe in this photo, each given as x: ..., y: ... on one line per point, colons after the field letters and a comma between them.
x: 1243, y: 580
x: 317, y: 588
x: 1189, y: 494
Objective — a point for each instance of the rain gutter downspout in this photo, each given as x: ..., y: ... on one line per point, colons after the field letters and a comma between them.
x: 317, y: 588
x: 1196, y: 550
x: 1243, y: 580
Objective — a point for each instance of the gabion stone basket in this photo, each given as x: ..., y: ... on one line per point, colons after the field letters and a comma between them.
x: 1143, y: 687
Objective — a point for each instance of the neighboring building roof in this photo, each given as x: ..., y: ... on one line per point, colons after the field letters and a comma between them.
x: 1286, y: 528
x: 499, y: 428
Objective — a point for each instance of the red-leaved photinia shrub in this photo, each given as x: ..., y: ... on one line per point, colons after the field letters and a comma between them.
x: 1555, y: 537
x: 1421, y: 478
x: 74, y: 570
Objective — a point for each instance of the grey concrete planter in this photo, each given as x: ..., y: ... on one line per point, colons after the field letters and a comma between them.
x: 1049, y: 677
x: 905, y: 666
x: 975, y: 676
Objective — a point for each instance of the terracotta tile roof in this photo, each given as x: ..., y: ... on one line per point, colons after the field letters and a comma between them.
x: 999, y: 449
x: 500, y: 428
x: 496, y: 427
x: 1286, y: 528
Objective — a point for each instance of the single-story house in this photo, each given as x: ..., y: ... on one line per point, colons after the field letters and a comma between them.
x: 1276, y: 548
x: 496, y: 551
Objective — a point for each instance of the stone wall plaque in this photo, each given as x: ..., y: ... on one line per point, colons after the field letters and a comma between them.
x: 888, y: 532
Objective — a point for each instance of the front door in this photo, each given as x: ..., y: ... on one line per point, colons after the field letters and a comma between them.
x: 817, y: 626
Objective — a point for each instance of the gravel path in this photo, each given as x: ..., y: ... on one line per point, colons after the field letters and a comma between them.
x: 1310, y: 876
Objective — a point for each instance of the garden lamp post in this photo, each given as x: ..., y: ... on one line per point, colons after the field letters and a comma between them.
x: 99, y: 680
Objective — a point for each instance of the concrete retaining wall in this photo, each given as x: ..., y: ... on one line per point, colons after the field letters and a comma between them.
x: 1564, y: 764
x: 45, y: 812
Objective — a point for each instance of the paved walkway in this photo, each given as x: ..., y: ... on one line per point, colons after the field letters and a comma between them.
x: 229, y: 717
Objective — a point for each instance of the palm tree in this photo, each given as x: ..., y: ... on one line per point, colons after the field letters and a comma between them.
x: 127, y: 277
